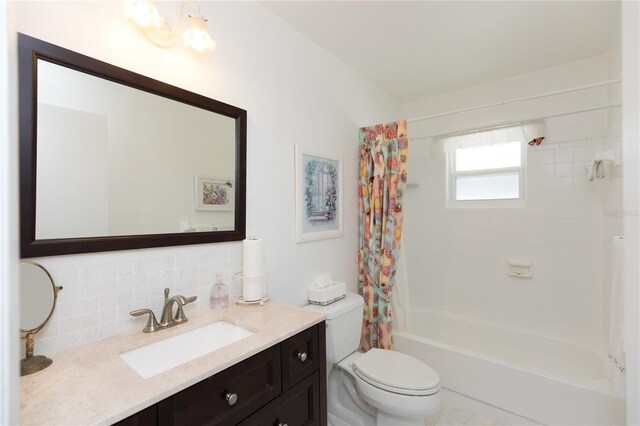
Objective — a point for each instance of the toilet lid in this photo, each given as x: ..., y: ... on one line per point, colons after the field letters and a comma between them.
x: 396, y: 372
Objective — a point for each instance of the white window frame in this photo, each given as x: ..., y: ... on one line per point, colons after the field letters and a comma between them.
x: 486, y: 203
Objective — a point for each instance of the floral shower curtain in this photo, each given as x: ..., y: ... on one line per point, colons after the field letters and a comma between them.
x: 382, y: 178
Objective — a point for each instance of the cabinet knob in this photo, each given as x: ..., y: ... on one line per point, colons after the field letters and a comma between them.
x: 232, y: 398
x: 302, y: 356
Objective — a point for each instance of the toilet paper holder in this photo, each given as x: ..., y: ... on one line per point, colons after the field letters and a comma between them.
x: 255, y: 290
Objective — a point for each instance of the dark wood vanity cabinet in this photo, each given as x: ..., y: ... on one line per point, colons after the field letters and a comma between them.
x: 228, y: 396
x: 282, y: 385
x: 300, y: 356
x: 298, y: 406
x: 148, y: 416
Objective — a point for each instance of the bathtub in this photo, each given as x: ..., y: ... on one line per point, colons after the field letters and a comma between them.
x: 547, y: 380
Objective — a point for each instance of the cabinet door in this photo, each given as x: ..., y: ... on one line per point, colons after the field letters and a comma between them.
x: 300, y: 357
x: 300, y: 406
x: 146, y: 417
x: 227, y: 397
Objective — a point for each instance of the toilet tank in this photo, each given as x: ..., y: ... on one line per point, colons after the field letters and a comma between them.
x: 344, y: 325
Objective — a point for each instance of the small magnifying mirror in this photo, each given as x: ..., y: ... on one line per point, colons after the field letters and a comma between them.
x: 38, y: 295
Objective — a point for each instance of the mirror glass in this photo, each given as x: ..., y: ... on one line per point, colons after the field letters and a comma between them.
x: 113, y: 160
x: 37, y: 296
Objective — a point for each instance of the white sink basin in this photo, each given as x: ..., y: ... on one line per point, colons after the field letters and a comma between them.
x: 166, y: 354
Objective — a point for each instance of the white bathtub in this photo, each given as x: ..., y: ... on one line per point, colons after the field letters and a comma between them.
x: 540, y: 378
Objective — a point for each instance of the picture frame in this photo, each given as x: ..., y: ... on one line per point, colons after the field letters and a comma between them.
x: 318, y: 195
x: 213, y: 193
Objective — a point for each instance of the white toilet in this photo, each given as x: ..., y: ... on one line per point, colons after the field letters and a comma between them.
x: 379, y: 387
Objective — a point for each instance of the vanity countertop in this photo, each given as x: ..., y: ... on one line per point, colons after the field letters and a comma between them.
x: 91, y: 384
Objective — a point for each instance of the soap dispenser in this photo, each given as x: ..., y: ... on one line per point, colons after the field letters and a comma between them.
x: 219, y: 293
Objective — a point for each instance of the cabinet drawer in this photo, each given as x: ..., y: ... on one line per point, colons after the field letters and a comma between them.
x: 255, y: 382
x: 297, y: 407
x: 299, y: 357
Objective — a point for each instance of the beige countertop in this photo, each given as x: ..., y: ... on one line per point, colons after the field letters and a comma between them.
x: 91, y: 384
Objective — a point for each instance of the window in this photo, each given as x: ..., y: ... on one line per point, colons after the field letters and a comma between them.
x: 489, y: 172
x: 486, y: 169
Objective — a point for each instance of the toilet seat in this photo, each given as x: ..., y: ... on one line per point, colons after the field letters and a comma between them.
x: 409, y: 406
x: 396, y: 372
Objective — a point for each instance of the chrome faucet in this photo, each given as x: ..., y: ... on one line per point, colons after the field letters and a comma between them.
x: 167, y: 318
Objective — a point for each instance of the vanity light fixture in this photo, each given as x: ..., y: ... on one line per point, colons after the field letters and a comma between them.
x: 197, y: 35
x: 158, y: 30
x: 144, y: 13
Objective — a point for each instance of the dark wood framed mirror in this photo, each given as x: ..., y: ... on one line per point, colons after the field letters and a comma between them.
x: 114, y: 160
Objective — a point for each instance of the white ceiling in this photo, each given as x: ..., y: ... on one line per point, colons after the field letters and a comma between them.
x: 418, y: 49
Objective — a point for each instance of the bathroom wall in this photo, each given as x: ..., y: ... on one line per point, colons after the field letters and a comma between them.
x: 294, y: 92
x: 631, y: 190
x: 613, y: 198
x: 457, y: 257
x: 9, y: 327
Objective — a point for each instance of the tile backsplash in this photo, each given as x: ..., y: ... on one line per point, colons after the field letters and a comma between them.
x: 457, y: 257
x: 99, y: 290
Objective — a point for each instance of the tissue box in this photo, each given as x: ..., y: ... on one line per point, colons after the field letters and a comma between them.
x: 326, y: 295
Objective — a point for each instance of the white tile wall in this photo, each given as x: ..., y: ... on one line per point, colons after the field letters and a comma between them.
x: 99, y: 290
x: 457, y: 258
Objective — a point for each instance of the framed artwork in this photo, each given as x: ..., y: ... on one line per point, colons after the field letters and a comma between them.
x: 213, y: 194
x: 318, y: 194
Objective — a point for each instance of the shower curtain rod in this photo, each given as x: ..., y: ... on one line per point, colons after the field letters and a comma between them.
x: 515, y: 101
x: 509, y: 123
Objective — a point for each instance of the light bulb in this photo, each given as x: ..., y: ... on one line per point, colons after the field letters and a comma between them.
x: 197, y: 35
x: 143, y: 13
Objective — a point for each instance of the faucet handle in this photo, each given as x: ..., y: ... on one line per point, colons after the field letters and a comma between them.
x: 152, y: 323
x: 166, y: 294
x: 180, y: 316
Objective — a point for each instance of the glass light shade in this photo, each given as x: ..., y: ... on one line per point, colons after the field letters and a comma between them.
x: 160, y: 35
x: 143, y: 12
x: 197, y: 35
